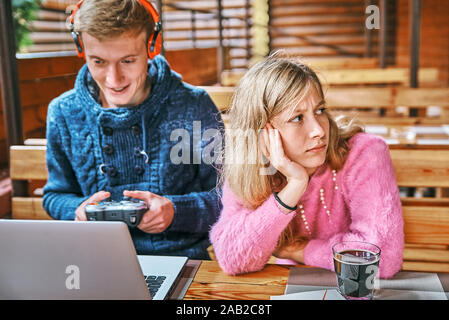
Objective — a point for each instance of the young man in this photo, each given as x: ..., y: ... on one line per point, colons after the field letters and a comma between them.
x: 111, y: 136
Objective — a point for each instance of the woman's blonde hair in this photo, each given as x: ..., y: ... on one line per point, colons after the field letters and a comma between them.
x: 271, y: 86
x: 108, y: 18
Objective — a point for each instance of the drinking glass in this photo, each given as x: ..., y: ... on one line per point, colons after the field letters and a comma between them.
x: 356, y: 264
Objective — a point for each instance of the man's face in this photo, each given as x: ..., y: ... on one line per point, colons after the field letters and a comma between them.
x: 119, y: 67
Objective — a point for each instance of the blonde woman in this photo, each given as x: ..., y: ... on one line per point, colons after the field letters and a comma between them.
x: 296, y: 181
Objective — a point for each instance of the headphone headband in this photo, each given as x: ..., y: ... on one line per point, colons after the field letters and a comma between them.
x: 154, y: 45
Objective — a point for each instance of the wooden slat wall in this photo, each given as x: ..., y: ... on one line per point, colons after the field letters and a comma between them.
x: 181, y: 32
x: 310, y: 28
x: 49, y: 30
x: 320, y: 28
x: 51, y: 34
x: 434, y: 50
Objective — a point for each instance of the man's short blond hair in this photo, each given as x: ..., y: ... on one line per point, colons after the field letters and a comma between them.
x: 109, y: 18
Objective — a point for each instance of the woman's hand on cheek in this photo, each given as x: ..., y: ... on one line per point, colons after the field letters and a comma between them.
x: 296, y: 175
x: 273, y: 150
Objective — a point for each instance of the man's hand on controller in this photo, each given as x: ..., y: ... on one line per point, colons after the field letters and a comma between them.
x: 80, y: 214
x: 160, y: 213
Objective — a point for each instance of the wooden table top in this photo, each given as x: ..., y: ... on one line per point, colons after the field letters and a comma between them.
x: 211, y: 283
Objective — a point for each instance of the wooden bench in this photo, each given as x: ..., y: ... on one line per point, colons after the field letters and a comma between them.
x: 426, y: 221
x: 339, y: 63
x: 372, y: 105
x: 351, y: 76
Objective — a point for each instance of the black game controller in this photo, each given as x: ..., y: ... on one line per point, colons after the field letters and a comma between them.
x: 128, y: 210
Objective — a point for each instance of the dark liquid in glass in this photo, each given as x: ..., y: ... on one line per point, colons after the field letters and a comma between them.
x: 356, y: 271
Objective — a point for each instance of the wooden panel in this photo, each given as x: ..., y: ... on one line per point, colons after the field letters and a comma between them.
x: 325, y: 50
x: 28, y: 163
x: 341, y: 63
x: 434, y: 51
x: 323, y: 40
x: 387, y: 97
x: 48, y: 67
x: 178, y: 16
x: 42, y: 91
x: 28, y: 208
x: 421, y: 97
x: 319, y: 29
x: 281, y: 9
x: 426, y: 246
x: 59, y: 4
x: 221, y: 291
x: 426, y: 225
x: 197, y: 66
x: 372, y: 76
x: 425, y: 266
x: 433, y: 202
x: 432, y: 255
x: 318, y: 20
x: 360, y: 98
x: 355, y: 76
x: 212, y: 282
x: 33, y: 121
x: 421, y: 168
x: 209, y: 273
x: 221, y: 96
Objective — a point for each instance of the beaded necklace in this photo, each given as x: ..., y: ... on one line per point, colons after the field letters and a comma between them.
x: 323, y: 203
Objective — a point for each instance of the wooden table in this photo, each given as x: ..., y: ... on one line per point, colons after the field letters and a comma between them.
x: 211, y: 283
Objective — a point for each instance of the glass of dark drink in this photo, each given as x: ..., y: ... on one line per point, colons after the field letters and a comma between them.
x: 356, y: 264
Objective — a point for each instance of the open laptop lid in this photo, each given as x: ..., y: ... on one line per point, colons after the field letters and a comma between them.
x: 68, y: 260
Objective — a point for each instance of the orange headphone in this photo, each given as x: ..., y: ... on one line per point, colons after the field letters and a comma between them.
x: 154, y: 42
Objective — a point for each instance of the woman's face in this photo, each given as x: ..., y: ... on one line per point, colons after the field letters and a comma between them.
x: 305, y: 131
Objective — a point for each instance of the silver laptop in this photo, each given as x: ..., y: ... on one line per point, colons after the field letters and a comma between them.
x: 44, y: 259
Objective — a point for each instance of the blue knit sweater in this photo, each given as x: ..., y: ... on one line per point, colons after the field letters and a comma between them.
x: 90, y: 148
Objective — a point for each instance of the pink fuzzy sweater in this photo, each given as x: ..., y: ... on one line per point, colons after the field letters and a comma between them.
x: 362, y: 203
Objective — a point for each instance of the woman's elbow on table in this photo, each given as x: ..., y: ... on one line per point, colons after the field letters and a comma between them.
x: 234, y: 259
x: 233, y: 265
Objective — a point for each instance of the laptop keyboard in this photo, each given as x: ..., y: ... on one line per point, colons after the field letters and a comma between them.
x: 154, y: 283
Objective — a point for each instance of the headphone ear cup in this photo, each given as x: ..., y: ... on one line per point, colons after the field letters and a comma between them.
x: 157, y: 46
x: 78, y: 45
